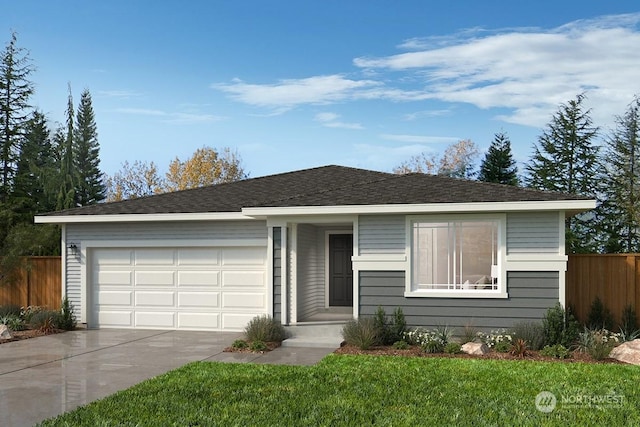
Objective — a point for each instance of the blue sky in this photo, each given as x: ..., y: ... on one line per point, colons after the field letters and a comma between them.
x: 296, y: 84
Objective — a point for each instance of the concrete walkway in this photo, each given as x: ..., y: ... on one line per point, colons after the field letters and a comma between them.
x: 47, y: 376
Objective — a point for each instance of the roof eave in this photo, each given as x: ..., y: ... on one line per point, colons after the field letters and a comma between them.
x: 571, y: 207
x: 158, y: 217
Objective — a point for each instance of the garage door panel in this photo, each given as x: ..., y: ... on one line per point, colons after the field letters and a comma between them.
x: 243, y: 300
x: 243, y: 256
x: 113, y: 256
x: 199, y: 320
x: 198, y: 299
x: 155, y: 299
x: 155, y: 319
x: 118, y: 319
x: 198, y: 256
x: 199, y: 278
x: 115, y: 298
x: 115, y: 278
x: 245, y: 279
x: 154, y: 278
x: 155, y: 256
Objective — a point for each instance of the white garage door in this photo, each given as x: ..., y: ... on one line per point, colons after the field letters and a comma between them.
x: 177, y: 288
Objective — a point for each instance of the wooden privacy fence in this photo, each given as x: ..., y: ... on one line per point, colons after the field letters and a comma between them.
x: 615, y: 278
x: 39, y: 283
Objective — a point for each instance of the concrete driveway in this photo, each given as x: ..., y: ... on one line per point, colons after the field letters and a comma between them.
x: 46, y: 376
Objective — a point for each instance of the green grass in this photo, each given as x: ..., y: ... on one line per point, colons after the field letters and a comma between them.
x: 369, y: 390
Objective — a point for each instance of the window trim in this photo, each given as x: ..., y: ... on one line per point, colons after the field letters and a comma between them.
x: 501, y: 292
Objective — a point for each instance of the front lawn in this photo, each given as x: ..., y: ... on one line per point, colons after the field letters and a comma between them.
x: 380, y: 390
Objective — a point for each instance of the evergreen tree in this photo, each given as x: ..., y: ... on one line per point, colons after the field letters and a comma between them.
x: 621, y: 189
x: 498, y: 165
x: 67, y: 192
x: 90, y: 188
x: 566, y: 160
x: 15, y: 91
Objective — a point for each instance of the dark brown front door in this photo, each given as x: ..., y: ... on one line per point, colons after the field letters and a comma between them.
x: 340, y: 270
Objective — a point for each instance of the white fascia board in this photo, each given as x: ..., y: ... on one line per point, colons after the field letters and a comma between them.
x: 573, y: 206
x: 79, y: 219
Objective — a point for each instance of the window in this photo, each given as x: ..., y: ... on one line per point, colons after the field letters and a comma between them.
x: 455, y: 256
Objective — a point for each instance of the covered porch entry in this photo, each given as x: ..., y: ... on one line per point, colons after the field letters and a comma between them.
x: 319, y: 283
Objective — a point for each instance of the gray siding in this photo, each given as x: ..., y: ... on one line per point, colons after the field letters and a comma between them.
x: 310, y: 278
x: 277, y: 275
x: 530, y: 294
x: 205, y: 230
x: 381, y: 234
x: 533, y: 233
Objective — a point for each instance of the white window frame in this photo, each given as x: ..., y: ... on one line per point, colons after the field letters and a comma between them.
x: 500, y: 292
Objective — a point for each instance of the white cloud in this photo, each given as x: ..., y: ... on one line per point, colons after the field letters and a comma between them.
x: 290, y: 93
x: 426, y: 113
x: 529, y: 71
x: 330, y: 120
x: 420, y: 139
x: 172, y: 117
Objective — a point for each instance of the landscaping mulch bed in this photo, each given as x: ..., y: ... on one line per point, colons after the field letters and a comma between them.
x: 29, y: 333
x: 270, y: 346
x: 416, y: 351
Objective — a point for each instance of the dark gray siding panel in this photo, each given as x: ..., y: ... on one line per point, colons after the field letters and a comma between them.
x: 277, y: 274
x: 530, y: 295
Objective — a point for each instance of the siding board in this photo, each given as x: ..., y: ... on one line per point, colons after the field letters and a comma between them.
x: 381, y: 234
x: 533, y: 233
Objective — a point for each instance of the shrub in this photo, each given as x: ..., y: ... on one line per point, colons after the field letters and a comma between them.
x: 258, y: 345
x: 500, y: 340
x: 9, y: 310
x: 519, y: 348
x: 12, y: 322
x: 264, y: 328
x: 45, y: 321
x: 431, y: 341
x: 598, y: 342
x: 629, y: 323
x: 239, y: 344
x: 558, y: 351
x: 453, y: 348
x: 399, y: 325
x: 531, y: 332
x: 469, y: 333
x: 433, y: 346
x: 599, y: 316
x: 560, y: 326
x: 361, y: 332
x: 383, y: 329
x: 67, y: 317
x: 28, y: 312
x: 444, y: 333
x: 400, y: 345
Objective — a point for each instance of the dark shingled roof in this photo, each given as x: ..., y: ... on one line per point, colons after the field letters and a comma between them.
x: 322, y: 186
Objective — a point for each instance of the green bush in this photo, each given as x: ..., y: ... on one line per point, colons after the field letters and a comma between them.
x: 258, y: 346
x: 453, y: 348
x: 46, y: 320
x: 400, y: 345
x: 502, y: 346
x: 560, y: 326
x: 598, y: 342
x: 10, y: 310
x: 531, y: 332
x: 67, y: 319
x: 390, y: 331
x: 629, y: 323
x: 558, y: 351
x: 239, y: 344
x: 399, y: 325
x: 264, y: 328
x: 469, y: 333
x: 361, y: 332
x: 599, y: 316
x: 433, y: 346
x: 12, y: 322
x: 30, y: 311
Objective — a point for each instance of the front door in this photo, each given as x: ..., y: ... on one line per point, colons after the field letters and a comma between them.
x: 340, y: 270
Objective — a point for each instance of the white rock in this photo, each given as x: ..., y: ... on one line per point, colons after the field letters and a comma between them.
x: 628, y: 352
x: 5, y: 333
x: 477, y: 348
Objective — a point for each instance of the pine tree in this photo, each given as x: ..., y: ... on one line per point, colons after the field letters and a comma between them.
x: 566, y: 160
x: 90, y: 188
x: 498, y: 165
x: 621, y: 189
x: 15, y: 91
x: 67, y: 192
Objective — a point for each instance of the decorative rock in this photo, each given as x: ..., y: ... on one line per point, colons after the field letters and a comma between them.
x: 628, y: 352
x: 477, y: 348
x: 5, y: 333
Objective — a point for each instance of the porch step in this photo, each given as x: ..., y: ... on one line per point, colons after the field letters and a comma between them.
x: 325, y: 335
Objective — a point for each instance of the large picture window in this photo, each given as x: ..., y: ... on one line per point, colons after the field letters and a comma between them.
x: 457, y: 255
